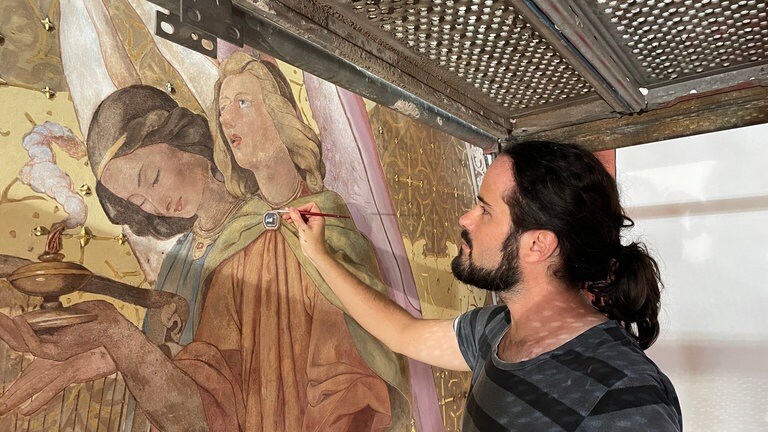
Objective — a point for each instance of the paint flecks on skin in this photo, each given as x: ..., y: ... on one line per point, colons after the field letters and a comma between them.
x: 407, y: 108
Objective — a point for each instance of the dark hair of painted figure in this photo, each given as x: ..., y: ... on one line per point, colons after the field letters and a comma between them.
x: 126, y: 124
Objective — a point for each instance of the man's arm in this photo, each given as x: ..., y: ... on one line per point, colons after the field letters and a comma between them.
x: 430, y: 341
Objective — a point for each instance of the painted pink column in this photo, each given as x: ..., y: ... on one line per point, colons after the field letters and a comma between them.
x: 353, y: 169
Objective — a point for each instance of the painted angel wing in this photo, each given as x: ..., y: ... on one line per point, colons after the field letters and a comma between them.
x: 93, y: 74
x: 354, y: 171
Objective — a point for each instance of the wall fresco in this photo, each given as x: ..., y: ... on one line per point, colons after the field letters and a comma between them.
x: 148, y: 164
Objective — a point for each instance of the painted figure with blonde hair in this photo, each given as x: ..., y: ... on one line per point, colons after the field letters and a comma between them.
x: 269, y: 323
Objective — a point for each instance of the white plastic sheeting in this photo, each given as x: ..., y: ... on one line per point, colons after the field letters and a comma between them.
x: 701, y: 205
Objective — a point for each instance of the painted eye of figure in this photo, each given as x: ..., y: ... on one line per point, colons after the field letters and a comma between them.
x: 244, y: 103
x: 157, y: 178
x: 484, y: 210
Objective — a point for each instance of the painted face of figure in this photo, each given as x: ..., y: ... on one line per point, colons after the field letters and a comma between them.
x: 488, y: 256
x: 160, y: 179
x: 250, y: 131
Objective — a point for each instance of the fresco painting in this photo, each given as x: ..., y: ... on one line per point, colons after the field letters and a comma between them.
x: 157, y: 165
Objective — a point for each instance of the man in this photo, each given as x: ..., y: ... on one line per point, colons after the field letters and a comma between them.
x: 565, y: 350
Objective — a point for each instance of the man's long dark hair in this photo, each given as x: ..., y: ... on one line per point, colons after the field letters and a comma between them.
x: 565, y: 189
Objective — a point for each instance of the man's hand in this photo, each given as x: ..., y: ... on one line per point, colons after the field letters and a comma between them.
x: 428, y: 341
x: 311, y: 230
x: 44, y: 379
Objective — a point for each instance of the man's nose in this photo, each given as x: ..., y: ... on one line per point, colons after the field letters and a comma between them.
x: 465, y: 220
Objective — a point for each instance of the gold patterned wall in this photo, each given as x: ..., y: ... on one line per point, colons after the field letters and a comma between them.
x: 432, y: 178
x: 428, y: 176
x: 29, y: 54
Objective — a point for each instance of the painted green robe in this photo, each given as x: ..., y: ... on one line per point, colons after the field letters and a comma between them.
x: 272, y: 352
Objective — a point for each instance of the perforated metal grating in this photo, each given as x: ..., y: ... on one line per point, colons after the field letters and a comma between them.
x: 670, y: 39
x: 492, y: 70
x: 483, y: 42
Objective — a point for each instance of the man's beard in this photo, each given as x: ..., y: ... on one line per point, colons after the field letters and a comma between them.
x: 505, y: 277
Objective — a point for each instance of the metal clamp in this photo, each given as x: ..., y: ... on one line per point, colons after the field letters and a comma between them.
x: 197, y: 24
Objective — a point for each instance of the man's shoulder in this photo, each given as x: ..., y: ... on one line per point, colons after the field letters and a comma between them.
x: 618, y: 381
x: 607, y: 350
x: 477, y: 329
x: 487, y: 318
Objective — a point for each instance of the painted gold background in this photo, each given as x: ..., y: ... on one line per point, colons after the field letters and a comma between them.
x: 431, y: 181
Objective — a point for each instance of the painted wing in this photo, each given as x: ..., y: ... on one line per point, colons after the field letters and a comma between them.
x: 354, y: 171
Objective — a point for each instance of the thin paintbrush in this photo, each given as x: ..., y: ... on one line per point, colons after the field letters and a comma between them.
x: 309, y: 213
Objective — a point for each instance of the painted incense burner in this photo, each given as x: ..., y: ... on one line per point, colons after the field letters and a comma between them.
x: 51, y: 278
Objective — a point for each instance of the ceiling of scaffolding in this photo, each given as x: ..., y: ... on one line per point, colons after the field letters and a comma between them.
x: 602, y: 73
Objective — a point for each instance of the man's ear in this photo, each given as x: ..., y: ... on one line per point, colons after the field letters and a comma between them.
x: 538, y: 245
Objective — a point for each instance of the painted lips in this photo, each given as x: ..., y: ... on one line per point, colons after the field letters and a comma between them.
x: 235, y: 140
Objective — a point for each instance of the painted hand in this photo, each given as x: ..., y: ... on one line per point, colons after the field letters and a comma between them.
x: 311, y: 230
x: 11, y: 335
x: 43, y: 379
x: 69, y: 341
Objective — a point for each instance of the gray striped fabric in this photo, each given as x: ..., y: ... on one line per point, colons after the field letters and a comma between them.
x: 599, y: 381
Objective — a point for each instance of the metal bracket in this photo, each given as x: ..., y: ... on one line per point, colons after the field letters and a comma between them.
x: 171, y: 28
x: 196, y: 24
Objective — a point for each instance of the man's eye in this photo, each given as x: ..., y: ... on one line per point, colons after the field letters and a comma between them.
x: 157, y: 178
x: 244, y: 103
x: 484, y: 210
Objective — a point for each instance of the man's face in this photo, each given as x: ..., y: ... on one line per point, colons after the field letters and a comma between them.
x: 488, y: 255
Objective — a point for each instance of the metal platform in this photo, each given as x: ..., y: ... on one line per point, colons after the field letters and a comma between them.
x: 602, y: 73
